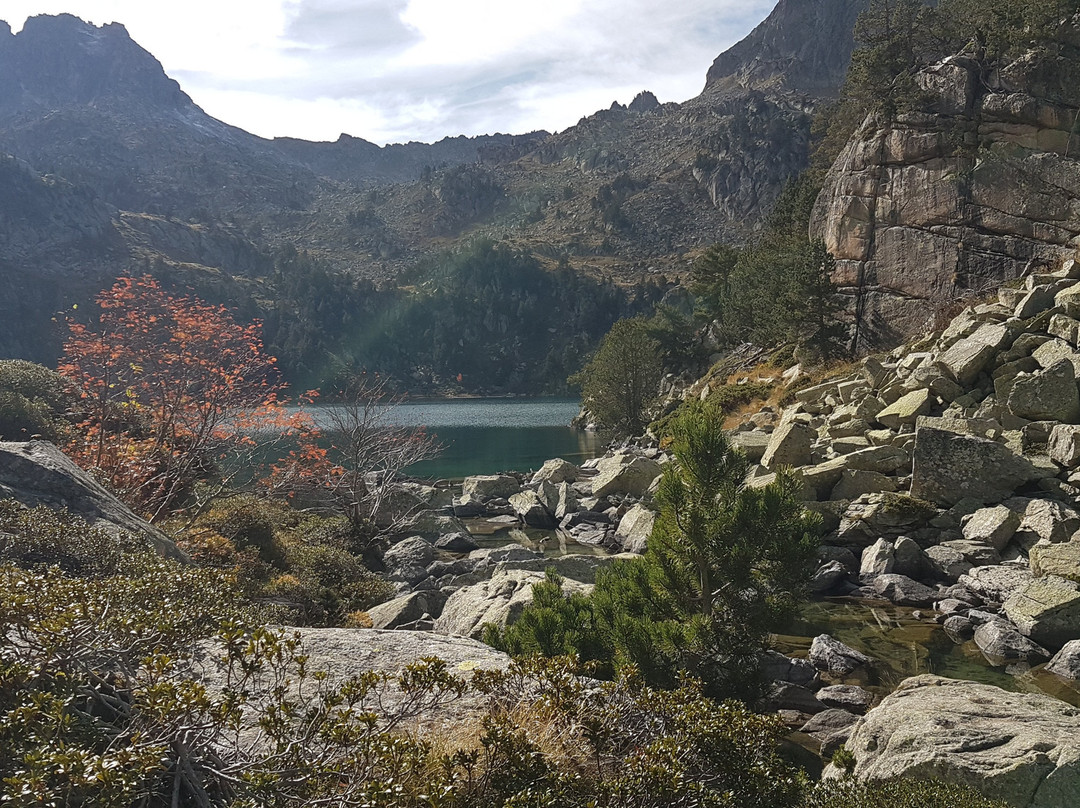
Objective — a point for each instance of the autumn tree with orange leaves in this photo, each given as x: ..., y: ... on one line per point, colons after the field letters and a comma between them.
x: 170, y: 388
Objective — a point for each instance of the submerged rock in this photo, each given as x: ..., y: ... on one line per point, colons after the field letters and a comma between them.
x: 829, y: 654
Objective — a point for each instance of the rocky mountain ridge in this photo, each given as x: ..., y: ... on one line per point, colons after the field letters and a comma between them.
x: 629, y: 192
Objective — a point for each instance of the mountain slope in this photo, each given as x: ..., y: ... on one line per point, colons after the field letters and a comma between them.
x: 631, y: 193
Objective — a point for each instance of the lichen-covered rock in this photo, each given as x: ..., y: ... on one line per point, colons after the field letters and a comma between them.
x: 966, y: 359
x: 854, y: 483
x: 1048, y: 395
x: 1047, y: 610
x: 949, y: 467
x: 995, y: 526
x: 1062, y: 560
x: 531, y: 510
x: 906, y: 409
x: 624, y: 474
x: 490, y: 486
x: 1066, y: 662
x: 903, y: 591
x: 846, y: 697
x: 580, y: 567
x: 877, y: 559
x: 498, y: 601
x: 407, y: 609
x: 347, y: 653
x: 634, y: 529
x: 1064, y: 445
x: 775, y: 667
x: 829, y: 654
x: 995, y: 584
x: 1045, y: 520
x: 789, y: 445
x: 886, y: 516
x: 1015, y: 747
x: 556, y: 471
x: 408, y: 560
x: 1001, y: 644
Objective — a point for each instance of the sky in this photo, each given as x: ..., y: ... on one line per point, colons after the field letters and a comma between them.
x: 391, y: 71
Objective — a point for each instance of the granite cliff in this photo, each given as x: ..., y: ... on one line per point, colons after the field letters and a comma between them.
x: 973, y: 187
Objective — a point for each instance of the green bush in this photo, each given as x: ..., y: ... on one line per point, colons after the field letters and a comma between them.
x: 33, y: 400
x: 34, y: 538
x: 850, y: 793
x: 249, y: 524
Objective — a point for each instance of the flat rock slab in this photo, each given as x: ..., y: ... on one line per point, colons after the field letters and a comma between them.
x: 344, y: 653
x: 1022, y: 749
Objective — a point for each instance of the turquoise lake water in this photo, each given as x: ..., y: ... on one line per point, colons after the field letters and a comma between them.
x: 489, y: 435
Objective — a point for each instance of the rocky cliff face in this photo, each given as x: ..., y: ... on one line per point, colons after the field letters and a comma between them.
x: 974, y: 188
x: 804, y: 45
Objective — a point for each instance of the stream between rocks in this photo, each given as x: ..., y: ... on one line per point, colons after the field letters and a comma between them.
x: 903, y: 645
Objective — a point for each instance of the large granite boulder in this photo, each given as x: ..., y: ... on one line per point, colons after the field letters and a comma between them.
x: 1047, y: 610
x: 1014, y: 747
x: 903, y: 591
x: 580, y: 567
x: 37, y: 473
x: 995, y: 583
x: 1001, y: 644
x: 634, y: 528
x: 994, y: 526
x: 1064, y: 445
x: 1047, y: 395
x: 1066, y: 662
x: 906, y: 409
x: 1062, y: 560
x: 556, y: 471
x: 345, y: 653
x: 499, y: 601
x: 624, y: 474
x: 829, y: 654
x: 407, y: 561
x: 490, y: 486
x: 966, y: 359
x: 529, y: 508
x: 949, y: 467
x: 789, y: 445
x: 402, y: 611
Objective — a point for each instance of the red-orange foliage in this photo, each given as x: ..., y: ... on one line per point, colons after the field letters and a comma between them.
x: 170, y: 386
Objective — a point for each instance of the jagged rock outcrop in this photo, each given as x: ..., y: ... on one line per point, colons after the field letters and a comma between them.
x: 781, y: 51
x: 37, y: 473
x: 1014, y: 747
x: 955, y: 197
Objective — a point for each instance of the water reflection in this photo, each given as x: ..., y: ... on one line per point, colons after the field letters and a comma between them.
x: 904, y: 645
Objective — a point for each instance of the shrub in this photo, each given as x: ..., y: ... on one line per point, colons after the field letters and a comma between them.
x: 848, y: 792
x: 34, y: 538
x: 33, y: 400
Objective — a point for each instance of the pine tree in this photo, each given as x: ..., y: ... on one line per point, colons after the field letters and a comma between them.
x: 725, y: 564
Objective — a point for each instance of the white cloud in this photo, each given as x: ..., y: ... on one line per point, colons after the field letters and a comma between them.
x: 396, y: 70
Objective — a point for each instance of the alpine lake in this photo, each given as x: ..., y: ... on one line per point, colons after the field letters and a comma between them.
x: 489, y: 436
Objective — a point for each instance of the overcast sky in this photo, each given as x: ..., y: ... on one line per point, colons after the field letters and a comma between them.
x: 399, y: 70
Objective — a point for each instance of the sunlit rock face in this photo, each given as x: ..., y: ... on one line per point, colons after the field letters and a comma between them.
x: 972, y: 189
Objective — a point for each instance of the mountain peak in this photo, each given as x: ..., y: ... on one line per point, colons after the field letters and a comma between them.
x: 61, y: 60
x: 803, y: 45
